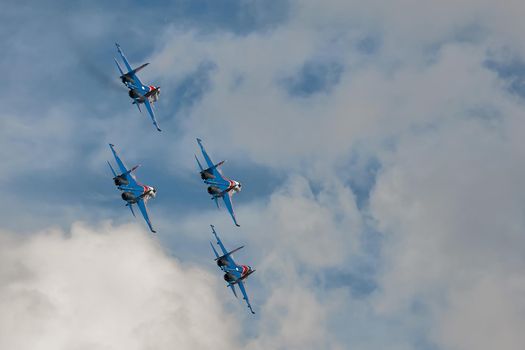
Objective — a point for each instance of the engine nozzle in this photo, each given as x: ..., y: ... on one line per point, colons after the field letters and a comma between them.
x: 229, y: 277
x: 213, y: 190
x: 128, y: 197
x: 120, y: 180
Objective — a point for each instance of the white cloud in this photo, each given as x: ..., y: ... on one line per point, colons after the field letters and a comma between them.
x: 105, y: 288
x: 486, y: 314
x: 446, y: 196
x: 449, y: 202
x: 113, y: 287
x: 448, y: 199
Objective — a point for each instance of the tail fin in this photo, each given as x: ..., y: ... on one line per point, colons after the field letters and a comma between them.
x: 118, y: 66
x: 216, y: 254
x: 112, y: 170
x: 135, y: 102
x: 233, y: 290
x: 131, y: 208
x: 199, y: 163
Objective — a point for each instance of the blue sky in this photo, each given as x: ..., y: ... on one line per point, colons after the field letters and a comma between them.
x: 379, y: 151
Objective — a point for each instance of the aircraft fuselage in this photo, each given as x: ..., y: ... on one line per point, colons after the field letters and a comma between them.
x: 129, y: 197
x: 141, y: 92
x: 216, y: 191
x: 237, y: 272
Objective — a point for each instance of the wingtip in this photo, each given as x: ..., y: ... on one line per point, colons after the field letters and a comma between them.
x: 237, y: 225
x: 199, y: 140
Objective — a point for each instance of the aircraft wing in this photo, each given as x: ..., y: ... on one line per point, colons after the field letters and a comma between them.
x: 123, y: 169
x: 245, y: 295
x: 219, y: 178
x: 151, y: 114
x: 144, y: 210
x: 227, y: 198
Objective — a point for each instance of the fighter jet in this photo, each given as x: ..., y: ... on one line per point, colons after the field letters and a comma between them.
x: 233, y: 274
x: 218, y: 185
x: 133, y: 192
x: 140, y: 93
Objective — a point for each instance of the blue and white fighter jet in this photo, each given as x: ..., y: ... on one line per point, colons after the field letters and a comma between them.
x: 218, y: 185
x: 133, y: 192
x: 140, y: 93
x: 233, y: 274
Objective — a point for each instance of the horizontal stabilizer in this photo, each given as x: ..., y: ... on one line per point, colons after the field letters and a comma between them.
x: 230, y: 253
x: 216, y: 165
x: 211, y: 172
x: 129, y: 74
x: 132, y: 169
x: 127, y: 172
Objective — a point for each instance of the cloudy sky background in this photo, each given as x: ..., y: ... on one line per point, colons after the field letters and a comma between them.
x: 379, y: 145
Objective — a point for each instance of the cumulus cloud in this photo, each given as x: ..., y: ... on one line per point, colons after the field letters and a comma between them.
x: 105, y: 288
x: 453, y: 213
x: 110, y: 287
